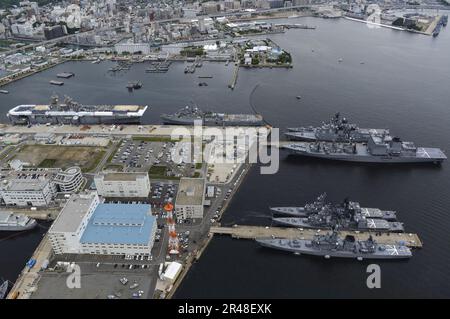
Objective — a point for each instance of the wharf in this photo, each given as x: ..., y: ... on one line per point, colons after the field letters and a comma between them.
x: 254, y: 232
x: 27, y: 281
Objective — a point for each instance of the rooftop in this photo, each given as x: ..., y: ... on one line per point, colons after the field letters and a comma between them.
x: 190, y: 191
x: 122, y: 176
x: 130, y: 224
x: 72, y: 214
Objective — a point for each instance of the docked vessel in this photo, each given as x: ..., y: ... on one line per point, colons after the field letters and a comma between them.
x: 71, y: 112
x: 348, y: 216
x: 330, y: 245
x: 188, y: 115
x: 15, y: 222
x: 328, y: 221
x: 319, y: 204
x: 4, y: 289
x: 335, y: 130
x: 379, y: 149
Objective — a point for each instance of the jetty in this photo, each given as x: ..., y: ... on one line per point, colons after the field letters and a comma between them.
x: 255, y: 232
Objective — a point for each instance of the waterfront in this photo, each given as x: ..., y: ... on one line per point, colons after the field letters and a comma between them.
x: 401, y: 86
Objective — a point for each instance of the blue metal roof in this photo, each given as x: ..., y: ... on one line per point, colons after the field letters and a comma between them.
x: 119, y: 224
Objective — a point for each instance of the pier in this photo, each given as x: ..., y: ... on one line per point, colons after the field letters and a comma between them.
x: 235, y: 76
x: 26, y: 283
x: 254, y: 232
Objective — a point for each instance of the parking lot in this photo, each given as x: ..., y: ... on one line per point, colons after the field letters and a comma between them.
x: 155, y: 157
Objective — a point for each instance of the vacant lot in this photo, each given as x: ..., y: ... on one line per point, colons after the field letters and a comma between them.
x: 87, y: 157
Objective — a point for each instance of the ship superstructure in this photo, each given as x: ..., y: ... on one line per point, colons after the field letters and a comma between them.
x: 338, y: 129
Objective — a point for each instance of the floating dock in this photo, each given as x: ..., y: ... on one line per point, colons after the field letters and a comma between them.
x: 65, y: 75
x: 254, y: 232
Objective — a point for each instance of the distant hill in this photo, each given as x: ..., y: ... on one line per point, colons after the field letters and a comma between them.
x: 8, y: 3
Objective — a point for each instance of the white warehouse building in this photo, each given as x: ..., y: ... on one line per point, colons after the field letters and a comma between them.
x: 122, y: 184
x: 66, y: 231
x: 87, y: 226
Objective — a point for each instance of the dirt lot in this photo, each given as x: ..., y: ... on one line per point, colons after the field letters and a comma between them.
x: 61, y: 156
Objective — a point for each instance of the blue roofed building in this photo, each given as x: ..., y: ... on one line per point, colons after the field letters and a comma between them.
x: 119, y: 229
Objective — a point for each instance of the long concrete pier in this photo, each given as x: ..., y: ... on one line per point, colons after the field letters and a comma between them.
x: 254, y: 232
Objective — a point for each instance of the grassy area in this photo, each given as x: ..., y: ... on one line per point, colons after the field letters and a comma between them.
x: 160, y: 172
x: 47, y: 163
x: 154, y: 139
x: 114, y: 167
x: 198, y: 165
x: 94, y: 163
x: 61, y: 156
x: 196, y: 174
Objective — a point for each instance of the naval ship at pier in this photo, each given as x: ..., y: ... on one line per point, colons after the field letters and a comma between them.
x: 379, y: 149
x: 338, y: 129
x: 343, y: 217
x: 330, y: 245
x: 16, y: 222
x: 319, y: 204
x: 188, y: 115
x: 73, y: 113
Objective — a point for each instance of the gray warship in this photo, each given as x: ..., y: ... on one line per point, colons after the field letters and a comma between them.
x: 330, y: 245
x: 188, y: 115
x: 343, y: 217
x: 4, y: 289
x: 319, y: 204
x: 15, y: 222
x: 335, y: 130
x: 379, y: 149
x: 73, y: 113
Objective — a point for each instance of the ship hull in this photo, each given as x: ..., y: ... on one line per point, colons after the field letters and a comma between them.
x: 30, y: 225
x: 366, y: 158
x: 392, y: 228
x: 207, y: 122
x: 70, y: 120
x: 330, y: 253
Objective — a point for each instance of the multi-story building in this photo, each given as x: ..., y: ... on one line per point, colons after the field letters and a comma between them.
x: 122, y: 184
x: 86, y: 226
x: 69, y: 181
x: 38, y: 187
x: 28, y: 188
x: 69, y: 226
x: 190, y: 198
x: 120, y: 229
x: 131, y: 48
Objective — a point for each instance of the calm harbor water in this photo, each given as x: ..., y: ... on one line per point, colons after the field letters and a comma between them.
x: 387, y: 79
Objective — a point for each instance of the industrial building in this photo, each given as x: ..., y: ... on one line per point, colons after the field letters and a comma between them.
x: 87, y: 226
x: 120, y: 229
x: 122, y: 184
x: 66, y: 231
x: 190, y: 198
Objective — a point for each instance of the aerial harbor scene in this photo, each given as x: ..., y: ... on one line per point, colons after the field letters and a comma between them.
x: 273, y: 149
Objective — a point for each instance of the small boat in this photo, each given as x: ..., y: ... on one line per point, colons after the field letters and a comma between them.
x: 203, y: 84
x: 134, y: 85
x: 59, y: 83
x: 4, y: 91
x: 340, y: 60
x: 298, y: 97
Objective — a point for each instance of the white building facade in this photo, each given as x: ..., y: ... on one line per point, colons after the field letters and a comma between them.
x: 122, y: 184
